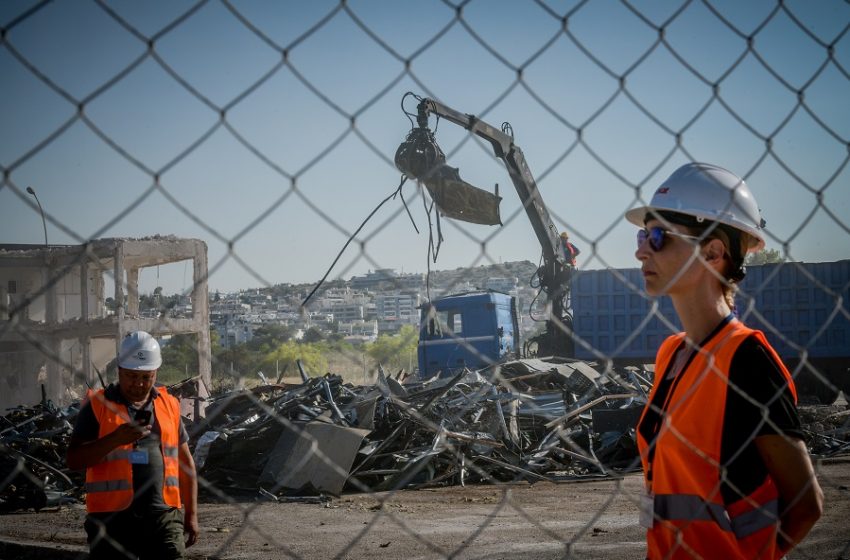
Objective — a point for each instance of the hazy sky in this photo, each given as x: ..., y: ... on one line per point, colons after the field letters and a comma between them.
x: 271, y: 126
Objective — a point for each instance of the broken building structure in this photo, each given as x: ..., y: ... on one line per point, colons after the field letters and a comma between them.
x: 58, y: 332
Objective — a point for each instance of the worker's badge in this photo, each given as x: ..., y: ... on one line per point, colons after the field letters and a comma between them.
x: 139, y: 457
x: 647, y: 510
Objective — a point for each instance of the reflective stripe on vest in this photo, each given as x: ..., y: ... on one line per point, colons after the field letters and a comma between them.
x: 109, y: 484
x: 685, y: 466
x: 747, y: 523
x: 683, y: 507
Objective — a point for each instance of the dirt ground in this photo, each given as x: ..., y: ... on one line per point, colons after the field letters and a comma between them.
x: 592, y: 520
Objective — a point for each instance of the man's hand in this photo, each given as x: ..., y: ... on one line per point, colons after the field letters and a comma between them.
x: 85, y: 454
x: 190, y: 528
x: 128, y: 433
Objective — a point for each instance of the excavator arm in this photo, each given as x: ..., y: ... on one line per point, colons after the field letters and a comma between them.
x: 421, y: 158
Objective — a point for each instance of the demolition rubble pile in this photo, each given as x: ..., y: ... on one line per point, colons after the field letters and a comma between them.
x: 526, y: 420
x: 33, y: 442
x: 827, y: 429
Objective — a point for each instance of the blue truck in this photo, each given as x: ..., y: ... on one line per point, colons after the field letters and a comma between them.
x: 470, y: 330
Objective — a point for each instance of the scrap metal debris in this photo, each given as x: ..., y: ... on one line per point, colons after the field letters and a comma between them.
x: 527, y: 420
x: 33, y: 442
x: 827, y: 429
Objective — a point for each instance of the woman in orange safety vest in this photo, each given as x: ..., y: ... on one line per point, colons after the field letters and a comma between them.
x: 727, y: 474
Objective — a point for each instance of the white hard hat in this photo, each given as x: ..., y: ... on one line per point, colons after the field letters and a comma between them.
x: 707, y: 192
x: 139, y: 351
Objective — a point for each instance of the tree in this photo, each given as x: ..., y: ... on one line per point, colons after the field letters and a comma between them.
x: 236, y: 361
x: 215, y: 342
x: 179, y: 358
x: 396, y: 351
x: 287, y: 354
x: 268, y: 337
x: 765, y: 256
x: 312, y: 335
x: 146, y: 302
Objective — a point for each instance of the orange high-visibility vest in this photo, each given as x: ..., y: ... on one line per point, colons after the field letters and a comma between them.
x: 109, y: 484
x: 682, y: 467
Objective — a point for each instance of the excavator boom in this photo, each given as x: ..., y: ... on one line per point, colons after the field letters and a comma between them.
x: 421, y: 158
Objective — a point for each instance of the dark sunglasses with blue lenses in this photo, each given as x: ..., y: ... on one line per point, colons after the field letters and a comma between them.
x: 657, y: 235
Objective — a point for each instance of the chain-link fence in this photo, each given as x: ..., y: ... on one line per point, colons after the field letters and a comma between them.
x: 272, y: 133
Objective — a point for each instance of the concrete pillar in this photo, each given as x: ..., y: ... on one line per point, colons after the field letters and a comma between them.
x: 98, y: 290
x: 85, y: 340
x: 118, y: 271
x: 55, y: 385
x: 84, y: 291
x: 201, y: 316
x: 133, y: 292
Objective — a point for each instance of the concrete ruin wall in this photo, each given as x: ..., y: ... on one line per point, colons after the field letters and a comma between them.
x: 56, y: 335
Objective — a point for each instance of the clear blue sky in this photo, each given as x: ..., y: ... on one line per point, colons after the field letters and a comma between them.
x: 85, y: 184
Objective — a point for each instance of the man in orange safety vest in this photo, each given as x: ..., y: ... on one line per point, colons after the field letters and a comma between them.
x: 131, y: 441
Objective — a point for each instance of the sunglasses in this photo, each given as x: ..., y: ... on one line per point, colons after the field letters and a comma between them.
x: 657, y: 235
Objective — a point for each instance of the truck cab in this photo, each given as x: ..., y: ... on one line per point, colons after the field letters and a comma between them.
x: 472, y: 330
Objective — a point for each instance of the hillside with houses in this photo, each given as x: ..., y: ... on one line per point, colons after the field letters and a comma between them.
x: 360, y: 308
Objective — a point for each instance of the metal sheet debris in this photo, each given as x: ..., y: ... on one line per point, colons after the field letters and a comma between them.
x: 312, y: 456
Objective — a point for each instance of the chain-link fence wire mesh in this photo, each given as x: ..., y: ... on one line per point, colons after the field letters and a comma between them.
x: 270, y: 131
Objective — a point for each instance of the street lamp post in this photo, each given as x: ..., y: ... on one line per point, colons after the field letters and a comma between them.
x: 31, y: 191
